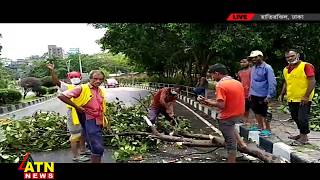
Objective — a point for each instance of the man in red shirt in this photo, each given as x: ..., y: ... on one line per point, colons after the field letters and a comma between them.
x: 244, y: 75
x: 163, y: 102
x: 92, y: 100
x: 230, y: 101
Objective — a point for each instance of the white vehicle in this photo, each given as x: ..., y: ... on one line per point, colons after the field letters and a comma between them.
x: 112, y: 83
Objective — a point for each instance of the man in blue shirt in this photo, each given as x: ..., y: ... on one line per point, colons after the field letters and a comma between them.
x: 262, y: 89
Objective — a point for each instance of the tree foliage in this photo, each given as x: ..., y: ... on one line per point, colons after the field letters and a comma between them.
x: 104, y: 61
x: 189, y: 48
x: 30, y: 84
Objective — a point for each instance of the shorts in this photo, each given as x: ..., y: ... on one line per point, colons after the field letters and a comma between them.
x: 94, y: 137
x: 258, y: 106
x: 154, y: 112
x: 227, y: 127
x: 247, y: 105
x: 75, y: 130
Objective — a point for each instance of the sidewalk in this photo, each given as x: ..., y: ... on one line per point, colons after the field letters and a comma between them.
x: 280, y: 144
x: 12, y: 107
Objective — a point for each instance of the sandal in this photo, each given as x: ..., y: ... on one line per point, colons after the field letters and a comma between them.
x: 294, y: 137
x: 265, y: 133
x: 254, y: 128
x: 87, y: 152
x: 81, y: 159
x: 298, y: 143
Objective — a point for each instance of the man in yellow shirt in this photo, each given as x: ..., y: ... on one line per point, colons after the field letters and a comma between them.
x: 77, y: 138
x: 299, y: 86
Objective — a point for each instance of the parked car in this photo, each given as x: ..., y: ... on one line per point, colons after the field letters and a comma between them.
x: 112, y: 83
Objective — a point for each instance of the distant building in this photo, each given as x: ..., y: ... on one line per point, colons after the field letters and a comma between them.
x: 6, y: 62
x: 33, y: 58
x: 55, y: 52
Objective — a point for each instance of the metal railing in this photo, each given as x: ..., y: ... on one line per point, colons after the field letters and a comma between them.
x: 186, y: 90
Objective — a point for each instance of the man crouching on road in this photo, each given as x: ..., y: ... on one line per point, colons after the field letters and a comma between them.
x: 90, y: 99
x: 163, y: 102
x: 230, y: 100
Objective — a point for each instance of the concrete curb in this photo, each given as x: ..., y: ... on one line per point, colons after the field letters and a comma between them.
x: 266, y: 143
x: 10, y: 108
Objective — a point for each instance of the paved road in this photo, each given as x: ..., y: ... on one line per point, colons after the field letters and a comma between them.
x: 124, y: 94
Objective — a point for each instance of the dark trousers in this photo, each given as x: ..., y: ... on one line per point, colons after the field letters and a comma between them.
x: 154, y: 113
x: 199, y: 91
x: 300, y: 114
x: 94, y: 136
x: 82, y: 119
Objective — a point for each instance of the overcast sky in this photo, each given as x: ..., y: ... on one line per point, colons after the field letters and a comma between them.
x: 25, y: 39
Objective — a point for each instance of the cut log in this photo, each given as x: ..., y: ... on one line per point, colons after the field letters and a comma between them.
x: 205, y: 141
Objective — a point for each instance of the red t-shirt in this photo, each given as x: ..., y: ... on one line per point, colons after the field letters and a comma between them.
x: 308, y: 69
x: 231, y: 92
x: 245, y: 78
x: 162, y: 94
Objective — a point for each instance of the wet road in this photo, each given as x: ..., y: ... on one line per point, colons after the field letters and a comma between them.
x: 124, y: 94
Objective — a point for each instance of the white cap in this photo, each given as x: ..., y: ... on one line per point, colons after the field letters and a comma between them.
x: 255, y: 53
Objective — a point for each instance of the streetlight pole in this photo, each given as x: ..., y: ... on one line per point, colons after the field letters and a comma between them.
x: 80, y: 63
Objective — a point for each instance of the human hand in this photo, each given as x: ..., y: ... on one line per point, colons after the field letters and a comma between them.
x: 267, y: 100
x: 304, y: 101
x: 50, y: 66
x: 200, y: 98
x: 80, y: 109
x: 280, y: 98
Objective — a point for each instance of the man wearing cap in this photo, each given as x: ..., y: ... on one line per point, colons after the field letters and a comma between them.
x: 163, y: 102
x: 229, y: 94
x: 299, y: 86
x: 76, y: 120
x: 262, y: 89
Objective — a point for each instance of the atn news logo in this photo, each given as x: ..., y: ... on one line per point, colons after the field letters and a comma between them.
x: 36, y: 170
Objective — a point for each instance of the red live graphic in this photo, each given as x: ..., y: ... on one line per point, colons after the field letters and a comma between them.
x: 241, y: 16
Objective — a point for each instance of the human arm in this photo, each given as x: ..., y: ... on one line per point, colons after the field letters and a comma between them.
x: 220, y: 99
x: 272, y: 84
x: 310, y: 73
x: 283, y: 91
x: 67, y: 95
x: 54, y: 76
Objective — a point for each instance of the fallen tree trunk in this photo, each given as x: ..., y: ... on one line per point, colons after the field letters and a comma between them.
x: 204, y: 140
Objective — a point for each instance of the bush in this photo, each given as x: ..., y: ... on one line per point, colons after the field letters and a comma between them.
x: 47, y: 81
x: 3, y: 83
x: 52, y: 90
x: 41, y: 91
x: 315, y: 111
x: 9, y: 96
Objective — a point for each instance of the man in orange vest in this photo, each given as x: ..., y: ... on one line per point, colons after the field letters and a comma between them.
x: 77, y: 135
x: 299, y: 86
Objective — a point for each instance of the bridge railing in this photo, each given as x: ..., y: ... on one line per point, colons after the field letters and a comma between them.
x: 186, y: 90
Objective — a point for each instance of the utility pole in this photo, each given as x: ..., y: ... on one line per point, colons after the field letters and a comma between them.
x: 80, y: 63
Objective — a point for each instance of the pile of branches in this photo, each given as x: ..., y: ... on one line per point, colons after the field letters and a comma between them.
x: 132, y: 134
x: 44, y: 131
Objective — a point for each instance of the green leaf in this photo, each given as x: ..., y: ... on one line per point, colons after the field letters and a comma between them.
x: 4, y: 156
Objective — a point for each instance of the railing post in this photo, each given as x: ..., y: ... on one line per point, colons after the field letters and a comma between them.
x: 187, y: 91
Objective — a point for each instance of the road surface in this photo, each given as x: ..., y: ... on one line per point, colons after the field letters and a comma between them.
x: 124, y: 94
